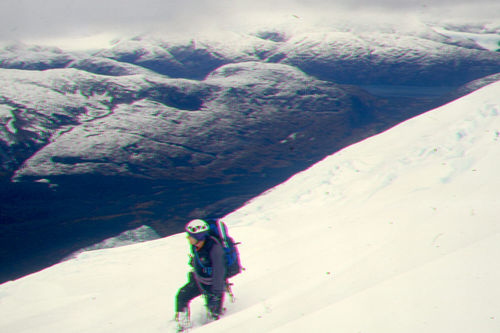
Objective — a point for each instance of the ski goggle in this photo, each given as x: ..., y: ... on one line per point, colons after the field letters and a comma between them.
x: 196, y: 229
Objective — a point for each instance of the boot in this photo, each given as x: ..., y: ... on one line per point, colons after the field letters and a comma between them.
x: 182, y: 319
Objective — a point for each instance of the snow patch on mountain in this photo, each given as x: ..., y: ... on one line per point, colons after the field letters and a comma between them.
x: 129, y: 237
x: 483, y: 36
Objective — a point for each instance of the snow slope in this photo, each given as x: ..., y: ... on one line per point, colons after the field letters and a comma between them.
x: 397, y: 233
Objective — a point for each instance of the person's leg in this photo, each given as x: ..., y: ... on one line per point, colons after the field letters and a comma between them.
x: 214, y: 304
x: 188, y: 292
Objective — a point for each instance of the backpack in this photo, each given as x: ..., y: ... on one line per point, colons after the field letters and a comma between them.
x: 218, y: 230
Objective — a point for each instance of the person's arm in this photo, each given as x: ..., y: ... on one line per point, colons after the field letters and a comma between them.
x: 215, y: 299
x: 218, y: 269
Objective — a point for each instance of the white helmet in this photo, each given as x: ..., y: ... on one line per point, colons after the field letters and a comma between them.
x: 198, y: 229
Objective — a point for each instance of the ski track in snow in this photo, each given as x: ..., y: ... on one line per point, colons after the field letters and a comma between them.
x: 398, y: 233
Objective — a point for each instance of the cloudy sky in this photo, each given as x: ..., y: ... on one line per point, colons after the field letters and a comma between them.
x: 31, y: 20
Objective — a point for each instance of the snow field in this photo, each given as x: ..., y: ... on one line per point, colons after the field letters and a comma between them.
x: 398, y: 233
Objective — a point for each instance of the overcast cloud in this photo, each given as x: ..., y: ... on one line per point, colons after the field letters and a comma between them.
x: 39, y: 19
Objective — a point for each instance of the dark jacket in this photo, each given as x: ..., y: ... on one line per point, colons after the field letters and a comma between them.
x: 209, y: 267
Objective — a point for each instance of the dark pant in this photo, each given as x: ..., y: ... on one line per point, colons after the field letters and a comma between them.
x: 188, y: 292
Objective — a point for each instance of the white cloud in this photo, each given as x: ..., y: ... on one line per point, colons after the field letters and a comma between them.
x: 49, y: 19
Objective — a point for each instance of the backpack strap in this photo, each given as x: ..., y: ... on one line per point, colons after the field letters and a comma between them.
x: 207, y: 270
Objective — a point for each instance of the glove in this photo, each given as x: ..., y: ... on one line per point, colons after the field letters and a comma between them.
x: 214, y: 305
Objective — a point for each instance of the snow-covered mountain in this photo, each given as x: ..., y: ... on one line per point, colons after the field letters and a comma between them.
x: 398, y: 233
x: 130, y: 70
x: 39, y: 106
x: 156, y: 129
x: 160, y: 128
